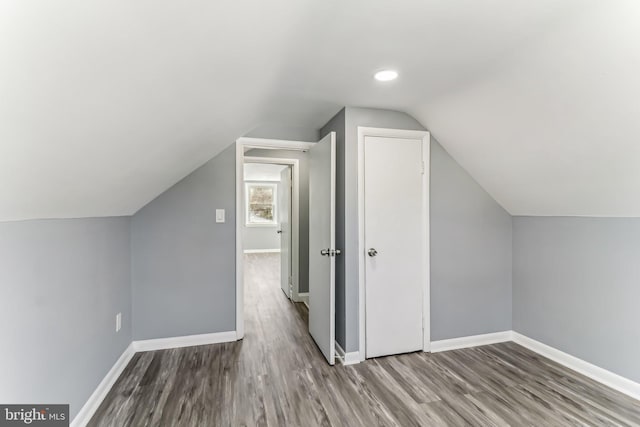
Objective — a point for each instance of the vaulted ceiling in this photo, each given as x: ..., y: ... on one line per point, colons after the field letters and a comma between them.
x: 105, y: 104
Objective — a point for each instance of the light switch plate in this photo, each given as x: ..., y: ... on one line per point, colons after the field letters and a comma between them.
x: 219, y: 215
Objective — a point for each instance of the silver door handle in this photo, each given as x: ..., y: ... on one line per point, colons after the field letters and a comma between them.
x: 372, y: 252
x: 330, y: 252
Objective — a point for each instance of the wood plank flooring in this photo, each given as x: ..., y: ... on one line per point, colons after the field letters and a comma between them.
x: 277, y: 377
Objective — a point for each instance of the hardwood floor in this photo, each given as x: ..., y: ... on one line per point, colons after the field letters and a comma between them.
x: 276, y: 376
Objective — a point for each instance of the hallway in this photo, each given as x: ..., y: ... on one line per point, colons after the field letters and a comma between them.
x: 276, y: 376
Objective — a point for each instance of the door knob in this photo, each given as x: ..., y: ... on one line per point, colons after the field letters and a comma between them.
x: 372, y: 252
x: 324, y: 252
x: 279, y: 231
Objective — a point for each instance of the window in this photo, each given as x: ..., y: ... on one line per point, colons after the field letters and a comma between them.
x: 261, y: 203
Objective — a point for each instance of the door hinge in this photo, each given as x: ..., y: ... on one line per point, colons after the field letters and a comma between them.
x: 423, y: 167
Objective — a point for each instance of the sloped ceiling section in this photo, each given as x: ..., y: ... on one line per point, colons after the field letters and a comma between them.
x: 554, y: 127
x: 105, y: 104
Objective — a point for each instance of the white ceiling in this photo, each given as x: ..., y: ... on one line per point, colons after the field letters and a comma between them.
x: 553, y: 128
x: 105, y: 104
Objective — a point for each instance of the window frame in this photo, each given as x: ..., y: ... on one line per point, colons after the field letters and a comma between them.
x: 272, y: 184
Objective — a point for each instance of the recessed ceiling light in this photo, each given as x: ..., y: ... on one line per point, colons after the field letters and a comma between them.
x: 386, y: 75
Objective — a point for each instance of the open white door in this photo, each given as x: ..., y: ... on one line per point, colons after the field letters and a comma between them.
x: 284, y: 216
x: 322, y: 251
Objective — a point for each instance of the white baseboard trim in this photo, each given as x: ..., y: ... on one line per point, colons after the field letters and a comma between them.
x: 601, y: 375
x: 303, y: 297
x: 470, y: 341
x: 96, y: 398
x: 261, y: 251
x: 350, y: 358
x: 94, y: 401
x: 184, y: 341
x: 608, y: 378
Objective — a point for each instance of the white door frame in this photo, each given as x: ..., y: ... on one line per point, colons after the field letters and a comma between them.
x: 243, y: 144
x: 295, y: 214
x: 405, y: 134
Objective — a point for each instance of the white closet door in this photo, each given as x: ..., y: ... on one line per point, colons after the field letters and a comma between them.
x: 394, y: 258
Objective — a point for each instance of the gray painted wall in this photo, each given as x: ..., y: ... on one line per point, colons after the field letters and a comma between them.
x: 480, y: 263
x: 576, y: 287
x: 62, y: 283
x: 304, y: 206
x: 183, y: 262
x: 260, y: 238
x: 470, y: 254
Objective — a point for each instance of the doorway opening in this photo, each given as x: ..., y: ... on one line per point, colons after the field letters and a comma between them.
x: 307, y: 252
x: 271, y: 221
x: 281, y: 155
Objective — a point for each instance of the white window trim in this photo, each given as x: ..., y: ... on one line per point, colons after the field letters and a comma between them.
x: 272, y: 184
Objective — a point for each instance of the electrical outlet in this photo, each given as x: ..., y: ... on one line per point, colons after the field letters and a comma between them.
x: 118, y: 322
